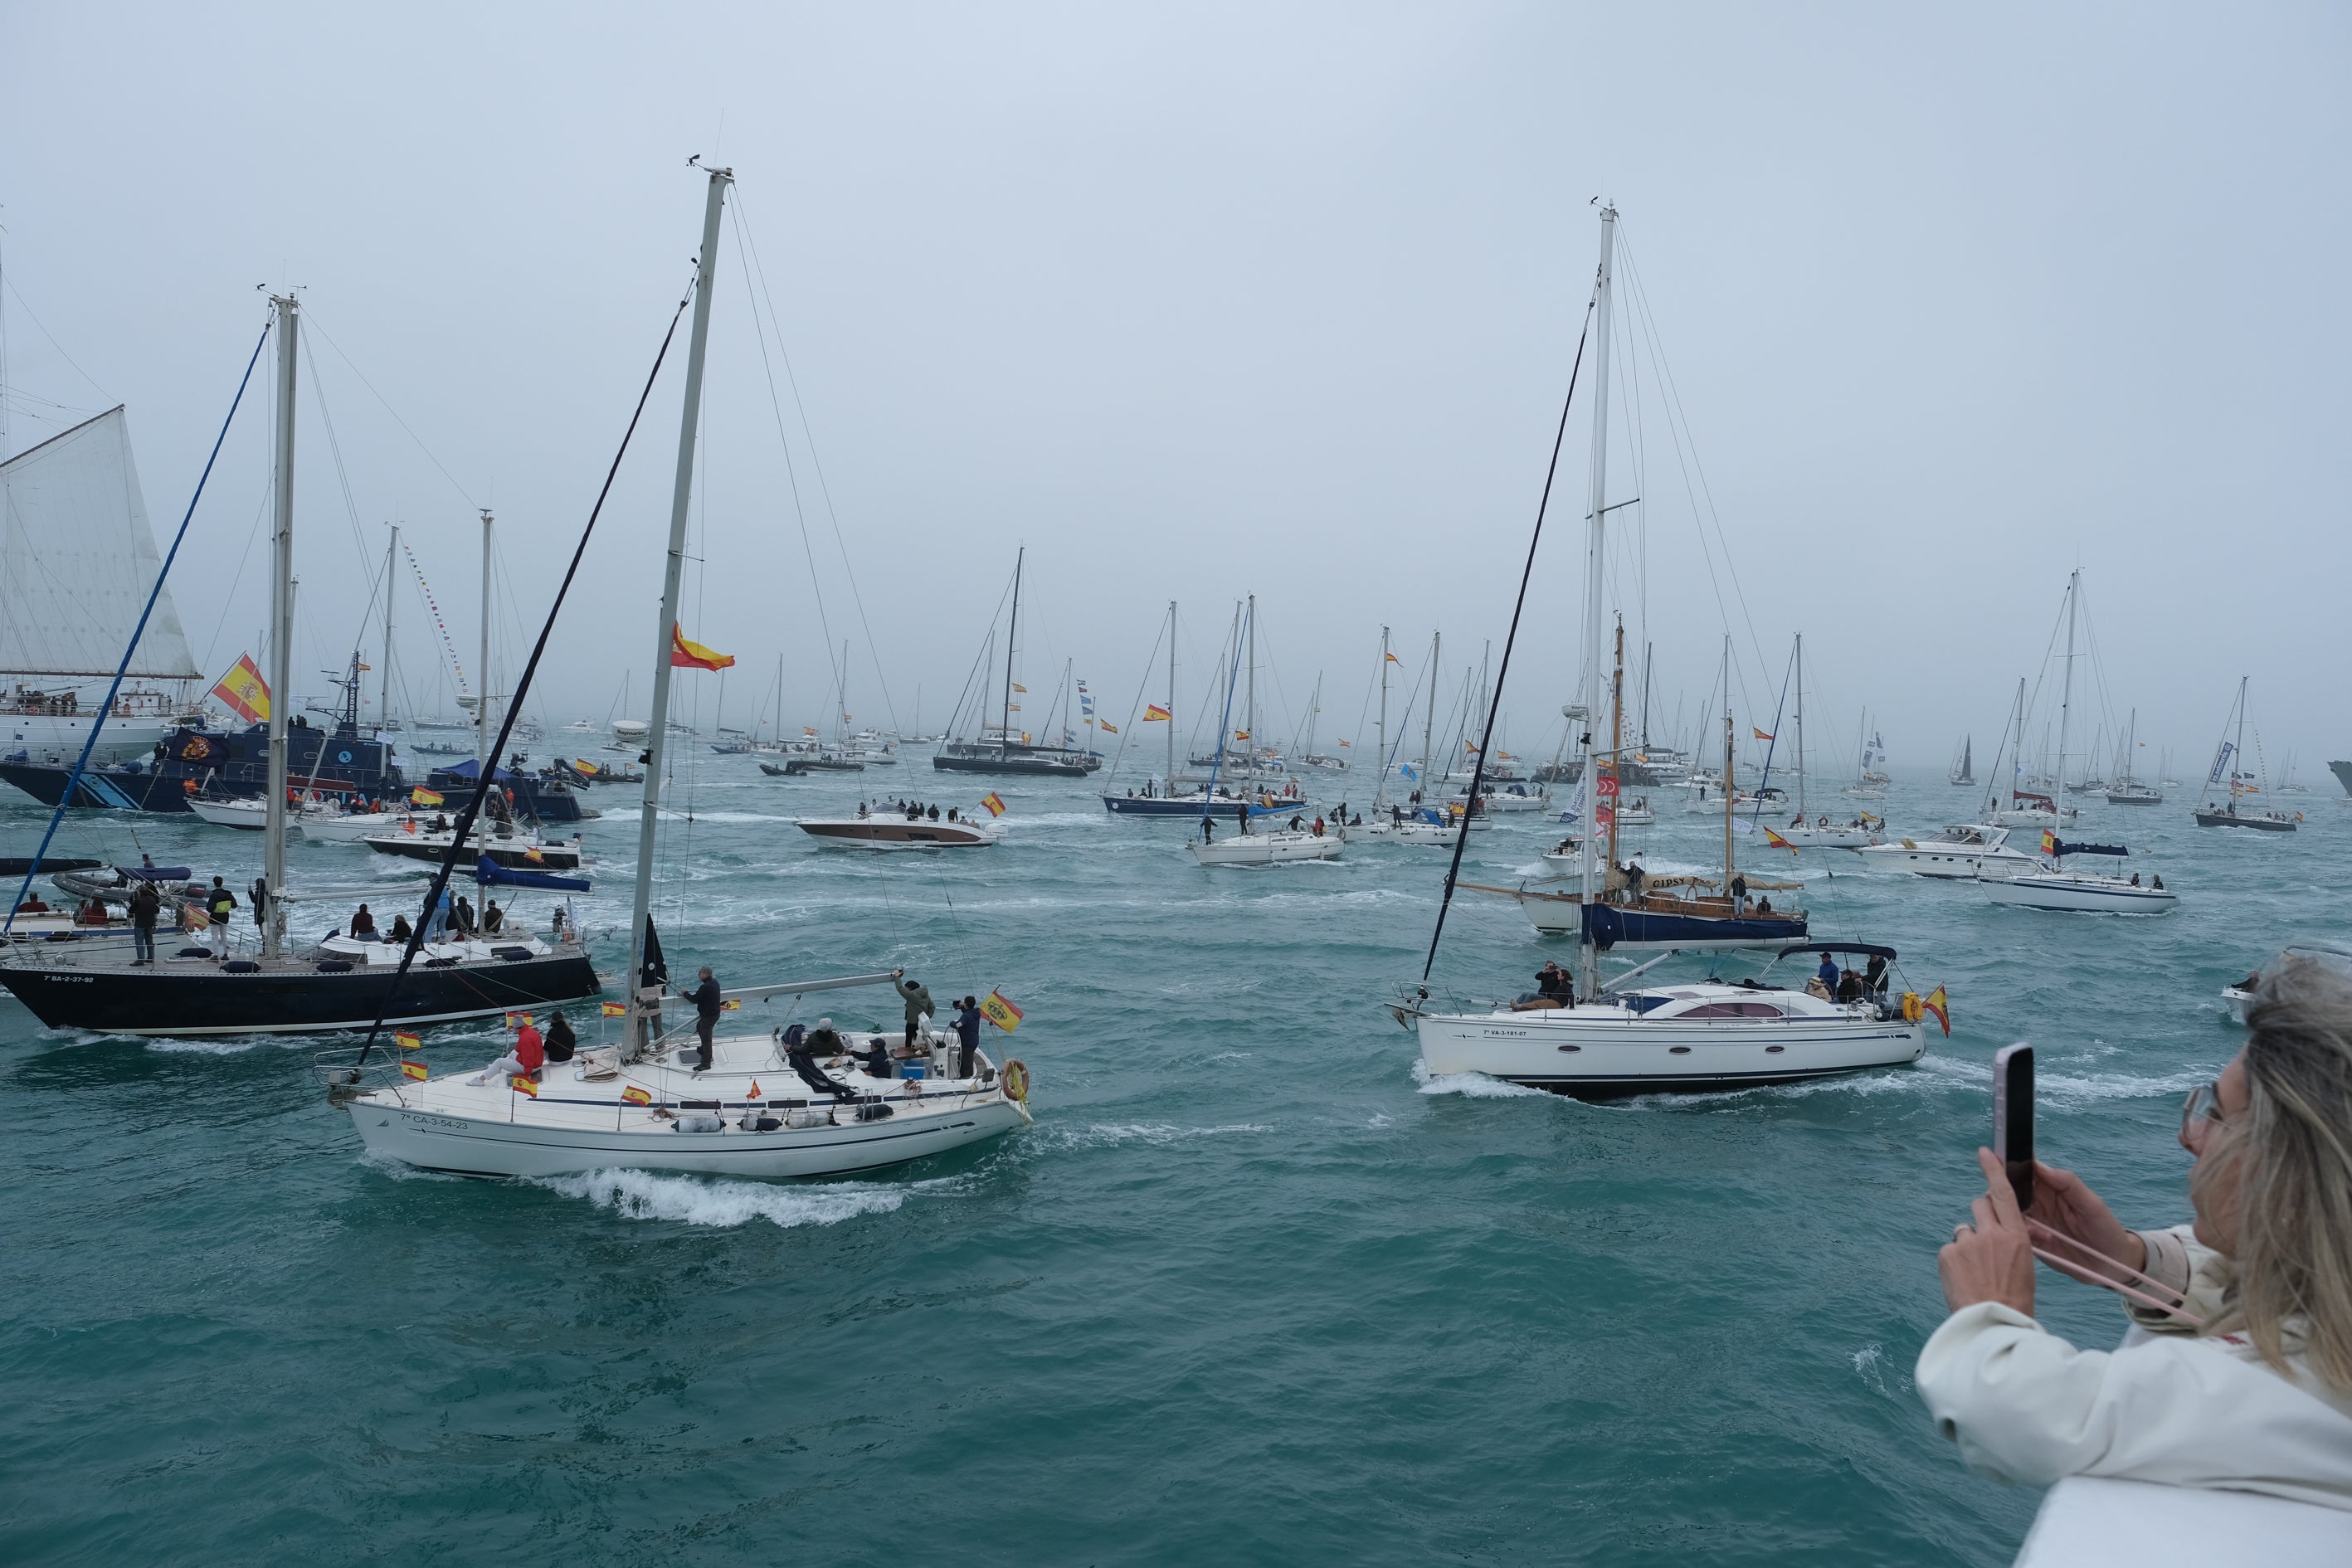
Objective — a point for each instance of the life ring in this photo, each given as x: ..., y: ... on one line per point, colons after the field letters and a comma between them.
x: 1015, y: 1079
x: 1912, y: 1008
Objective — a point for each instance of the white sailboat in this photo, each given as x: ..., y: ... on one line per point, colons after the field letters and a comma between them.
x: 1804, y: 832
x: 1393, y: 821
x: 1246, y: 845
x: 642, y: 1105
x: 1623, y: 1038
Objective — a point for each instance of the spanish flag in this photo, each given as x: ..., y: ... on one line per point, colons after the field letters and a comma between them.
x: 755, y: 1093
x: 2049, y: 842
x: 1343, y: 742
x: 522, y: 1085
x: 517, y: 1020
x: 999, y: 1012
x: 685, y: 655
x: 420, y: 795
x: 1394, y: 660
x: 994, y: 803
x: 617, y: 1009
x: 417, y: 1070
x: 244, y: 692
x: 1018, y: 687
x: 1777, y: 842
x: 1107, y: 726
x: 1941, y: 1006
x: 633, y: 1095
x: 1153, y: 713
x: 1759, y: 733
x: 732, y: 1005
x: 1241, y: 734
x: 583, y: 765
x: 406, y: 1041
x: 532, y: 855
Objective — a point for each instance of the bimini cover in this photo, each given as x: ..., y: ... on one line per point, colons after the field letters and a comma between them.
x: 488, y: 873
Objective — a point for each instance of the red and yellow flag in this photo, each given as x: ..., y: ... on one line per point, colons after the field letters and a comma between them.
x: 732, y: 1005
x: 406, y: 1041
x: 522, y: 1085
x: 415, y: 1070
x: 1777, y: 842
x: 420, y: 795
x: 755, y: 1093
x: 999, y: 1012
x: 1759, y: 733
x: 994, y: 803
x: 246, y: 694
x: 1394, y: 660
x: 517, y: 1020
x: 1107, y: 726
x: 533, y: 856
x: 2049, y: 842
x: 1153, y: 713
x: 1941, y: 1006
x: 617, y: 1009
x: 1343, y: 742
x: 633, y: 1095
x: 685, y: 655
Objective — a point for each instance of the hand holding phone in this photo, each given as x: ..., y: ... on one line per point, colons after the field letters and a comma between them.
x: 2012, y: 1118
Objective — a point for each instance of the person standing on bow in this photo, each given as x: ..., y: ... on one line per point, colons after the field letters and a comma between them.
x: 967, y: 1028
x: 706, y: 1000
x: 146, y: 904
x: 219, y: 905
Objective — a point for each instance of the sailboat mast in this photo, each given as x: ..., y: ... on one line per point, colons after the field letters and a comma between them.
x: 1249, y: 752
x: 657, y: 729
x: 384, y: 703
x: 482, y: 670
x: 1800, y: 723
x: 1171, y: 696
x: 281, y: 629
x: 1381, y: 780
x: 1730, y: 786
x: 1429, y: 718
x: 2066, y: 700
x: 1012, y: 634
x: 1616, y: 742
x: 1596, y: 525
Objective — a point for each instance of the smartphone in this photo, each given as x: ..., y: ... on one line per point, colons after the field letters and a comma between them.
x: 2012, y: 1117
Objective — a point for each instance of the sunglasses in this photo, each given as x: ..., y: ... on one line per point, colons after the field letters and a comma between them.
x: 2201, y: 1109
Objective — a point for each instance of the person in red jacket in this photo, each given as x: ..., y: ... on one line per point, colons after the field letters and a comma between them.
x: 530, y: 1054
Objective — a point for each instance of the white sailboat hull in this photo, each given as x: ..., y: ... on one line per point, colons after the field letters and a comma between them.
x: 59, y: 737
x: 1268, y: 849
x: 2080, y: 895
x: 352, y: 829
x: 250, y: 814
x: 1402, y: 833
x: 1829, y: 837
x: 1611, y: 1049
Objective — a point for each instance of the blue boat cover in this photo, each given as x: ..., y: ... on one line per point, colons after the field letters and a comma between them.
x: 489, y: 873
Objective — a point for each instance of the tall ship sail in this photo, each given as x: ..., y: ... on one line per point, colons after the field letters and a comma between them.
x: 76, y: 561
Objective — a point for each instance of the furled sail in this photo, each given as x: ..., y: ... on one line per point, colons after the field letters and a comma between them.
x: 78, y: 561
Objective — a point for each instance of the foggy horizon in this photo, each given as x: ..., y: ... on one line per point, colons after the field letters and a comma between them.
x: 1192, y: 308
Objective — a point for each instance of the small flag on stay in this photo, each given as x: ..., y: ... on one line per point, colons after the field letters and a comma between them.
x: 1777, y: 842
x: 755, y: 1093
x: 617, y: 1009
x: 732, y: 1005
x: 1394, y: 660
x: 244, y: 690
x: 1941, y: 1006
x: 994, y: 803
x: 420, y: 795
x: 417, y: 1070
x: 1018, y: 687
x: 522, y: 1085
x: 1153, y: 713
x: 2049, y: 842
x: 1343, y: 742
x: 633, y: 1095
x: 406, y: 1041
x: 1759, y: 733
x: 532, y: 855
x: 999, y: 1012
x: 1107, y: 726
x: 517, y: 1020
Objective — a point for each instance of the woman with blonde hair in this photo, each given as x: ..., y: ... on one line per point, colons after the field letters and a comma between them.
x: 2237, y: 1370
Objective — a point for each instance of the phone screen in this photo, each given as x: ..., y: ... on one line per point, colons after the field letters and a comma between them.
x: 2012, y: 1118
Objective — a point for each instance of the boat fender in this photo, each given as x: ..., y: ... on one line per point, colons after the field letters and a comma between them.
x: 700, y: 1124
x: 510, y: 955
x: 440, y: 964
x: 240, y: 966
x: 876, y: 1111
x: 335, y: 966
x: 808, y: 1118
x: 1909, y: 845
x: 1016, y: 1079
x: 760, y: 1123
x: 193, y: 953
x: 1913, y: 1011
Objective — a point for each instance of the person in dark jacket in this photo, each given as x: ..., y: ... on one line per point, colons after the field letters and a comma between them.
x: 561, y: 1043
x: 801, y: 1059
x: 364, y: 925
x: 967, y: 1028
x: 707, y: 1001
x: 146, y: 904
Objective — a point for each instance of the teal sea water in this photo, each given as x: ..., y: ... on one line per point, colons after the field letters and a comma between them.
x: 1249, y: 1291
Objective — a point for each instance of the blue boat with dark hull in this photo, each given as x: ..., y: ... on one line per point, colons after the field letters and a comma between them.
x: 231, y: 765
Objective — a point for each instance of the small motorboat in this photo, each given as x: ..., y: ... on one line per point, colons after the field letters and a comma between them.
x: 1962, y: 852
x: 902, y: 830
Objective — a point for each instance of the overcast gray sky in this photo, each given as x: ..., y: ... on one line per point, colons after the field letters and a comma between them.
x: 1198, y: 302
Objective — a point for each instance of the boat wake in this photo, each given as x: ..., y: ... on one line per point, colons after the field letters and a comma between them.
x: 686, y: 1200
x: 1472, y: 1085
x: 1106, y: 1134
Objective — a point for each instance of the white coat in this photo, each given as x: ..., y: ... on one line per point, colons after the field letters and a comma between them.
x: 2179, y: 1409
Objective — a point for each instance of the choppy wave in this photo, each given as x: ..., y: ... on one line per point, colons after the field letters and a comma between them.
x: 1103, y: 1134
x: 1471, y: 1084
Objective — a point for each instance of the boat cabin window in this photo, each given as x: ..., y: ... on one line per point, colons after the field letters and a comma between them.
x: 1734, y: 1010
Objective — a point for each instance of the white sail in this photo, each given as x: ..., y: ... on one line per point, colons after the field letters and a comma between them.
x: 78, y: 561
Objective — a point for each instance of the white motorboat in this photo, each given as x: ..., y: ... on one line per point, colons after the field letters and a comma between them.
x: 1268, y: 848
x: 1706, y: 1036
x: 898, y: 830
x: 516, y: 851
x: 1823, y: 834
x: 1964, y: 851
x: 2080, y: 892
x: 749, y: 1116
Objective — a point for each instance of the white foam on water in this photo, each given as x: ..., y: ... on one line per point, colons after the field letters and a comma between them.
x: 1380, y: 1118
x: 1471, y: 1084
x: 1104, y: 1134
x: 1866, y: 1366
x: 222, y: 1047
x: 687, y: 1199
